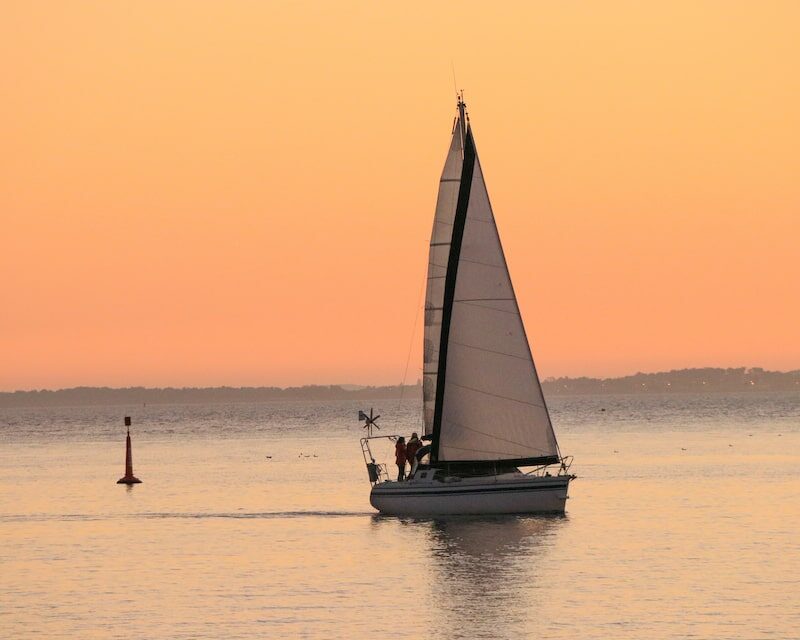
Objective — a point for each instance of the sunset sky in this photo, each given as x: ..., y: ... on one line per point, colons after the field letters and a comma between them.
x: 241, y: 193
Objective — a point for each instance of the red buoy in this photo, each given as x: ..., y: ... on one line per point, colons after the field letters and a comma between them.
x: 129, y: 477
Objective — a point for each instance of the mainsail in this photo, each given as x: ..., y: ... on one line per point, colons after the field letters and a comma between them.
x: 482, y: 397
x: 438, y: 258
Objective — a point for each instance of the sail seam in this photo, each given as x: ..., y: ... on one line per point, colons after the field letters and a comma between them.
x: 489, y: 393
x: 499, y: 353
x: 483, y: 306
x: 485, y: 264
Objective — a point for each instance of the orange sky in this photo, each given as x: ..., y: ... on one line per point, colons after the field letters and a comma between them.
x: 203, y: 193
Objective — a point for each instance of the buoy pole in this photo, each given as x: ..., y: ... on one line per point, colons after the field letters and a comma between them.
x: 129, y: 477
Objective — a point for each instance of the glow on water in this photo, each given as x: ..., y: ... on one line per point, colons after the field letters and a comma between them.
x: 683, y: 523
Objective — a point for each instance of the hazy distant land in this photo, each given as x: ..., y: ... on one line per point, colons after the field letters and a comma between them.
x: 676, y: 381
x: 680, y: 381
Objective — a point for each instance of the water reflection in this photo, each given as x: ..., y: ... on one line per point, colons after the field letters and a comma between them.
x: 487, y: 572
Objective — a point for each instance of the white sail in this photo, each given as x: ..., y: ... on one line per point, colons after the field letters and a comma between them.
x: 437, y: 269
x: 484, y: 403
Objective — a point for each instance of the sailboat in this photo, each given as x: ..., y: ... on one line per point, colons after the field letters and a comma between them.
x: 485, y: 418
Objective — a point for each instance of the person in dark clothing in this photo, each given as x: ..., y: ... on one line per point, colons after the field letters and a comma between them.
x: 412, y: 447
x: 400, y: 458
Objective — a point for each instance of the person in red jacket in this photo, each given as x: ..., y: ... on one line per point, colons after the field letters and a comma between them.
x: 412, y: 447
x: 400, y: 458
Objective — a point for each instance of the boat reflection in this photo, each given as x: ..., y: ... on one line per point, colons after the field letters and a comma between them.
x: 485, y: 572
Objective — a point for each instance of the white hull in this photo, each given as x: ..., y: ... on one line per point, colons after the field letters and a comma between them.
x: 488, y: 495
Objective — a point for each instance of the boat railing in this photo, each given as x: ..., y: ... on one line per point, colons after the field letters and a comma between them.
x: 376, y: 471
x: 563, y: 469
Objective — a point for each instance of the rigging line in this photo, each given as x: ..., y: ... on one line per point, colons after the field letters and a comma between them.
x: 489, y: 393
x: 485, y: 300
x: 490, y: 435
x: 411, y: 344
x: 499, y: 353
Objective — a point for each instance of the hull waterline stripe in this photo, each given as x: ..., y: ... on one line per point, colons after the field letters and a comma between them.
x: 464, y: 492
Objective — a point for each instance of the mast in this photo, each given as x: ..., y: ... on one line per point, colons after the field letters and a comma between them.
x: 462, y: 121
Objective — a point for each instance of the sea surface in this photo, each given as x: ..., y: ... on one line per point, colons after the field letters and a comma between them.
x: 253, y: 520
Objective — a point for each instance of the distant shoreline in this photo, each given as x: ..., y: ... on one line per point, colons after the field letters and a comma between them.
x: 707, y: 380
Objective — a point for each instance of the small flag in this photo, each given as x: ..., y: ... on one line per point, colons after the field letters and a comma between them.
x: 362, y: 415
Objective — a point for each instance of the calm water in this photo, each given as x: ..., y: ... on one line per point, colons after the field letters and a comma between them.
x: 222, y: 542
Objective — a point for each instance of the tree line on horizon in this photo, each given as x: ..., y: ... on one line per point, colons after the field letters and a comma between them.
x: 193, y: 395
x: 704, y: 380
x: 709, y: 379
